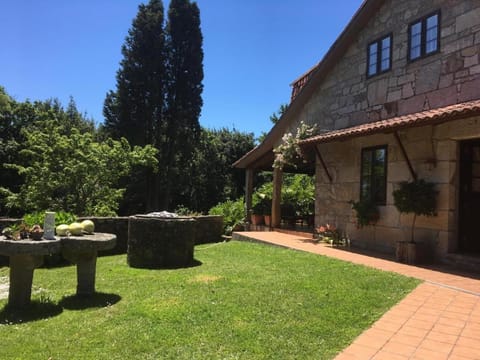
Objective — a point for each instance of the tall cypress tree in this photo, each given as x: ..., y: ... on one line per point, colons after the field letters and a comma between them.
x: 184, y: 95
x: 136, y: 109
x: 158, y: 96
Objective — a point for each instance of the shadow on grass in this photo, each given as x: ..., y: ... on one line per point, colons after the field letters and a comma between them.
x: 167, y: 266
x: 36, y: 310
x: 81, y: 302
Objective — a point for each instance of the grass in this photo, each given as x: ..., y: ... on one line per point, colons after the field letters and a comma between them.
x: 245, y: 301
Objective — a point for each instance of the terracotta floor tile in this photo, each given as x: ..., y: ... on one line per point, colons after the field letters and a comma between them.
x: 385, y: 355
x: 442, y: 337
x: 451, y: 322
x: 471, y: 334
x: 373, y: 338
x: 361, y: 351
x: 437, y: 346
x: 420, y: 324
x: 445, y: 329
x: 413, y: 331
x: 387, y: 326
x: 456, y: 316
x: 466, y: 352
x: 345, y: 356
x: 407, y: 339
x: 427, y: 354
x: 399, y: 348
x: 474, y: 344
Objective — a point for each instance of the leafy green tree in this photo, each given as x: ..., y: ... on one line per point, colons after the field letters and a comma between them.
x: 212, y: 178
x: 68, y: 170
x: 274, y: 118
x: 18, y: 119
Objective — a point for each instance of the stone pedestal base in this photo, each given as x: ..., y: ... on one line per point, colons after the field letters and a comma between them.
x: 21, y: 277
x: 86, y: 267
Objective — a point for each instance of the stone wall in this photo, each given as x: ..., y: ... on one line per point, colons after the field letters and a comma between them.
x: 432, y: 151
x: 347, y: 97
x: 208, y: 229
x: 112, y: 225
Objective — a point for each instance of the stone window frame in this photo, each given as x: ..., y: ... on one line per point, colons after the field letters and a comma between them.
x: 423, y: 36
x: 378, y: 42
x: 374, y: 186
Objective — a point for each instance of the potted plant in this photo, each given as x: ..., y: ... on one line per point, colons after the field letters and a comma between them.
x: 416, y: 197
x: 267, y: 211
x: 257, y: 214
x: 366, y: 212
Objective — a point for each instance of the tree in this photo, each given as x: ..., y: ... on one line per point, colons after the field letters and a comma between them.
x: 20, y: 118
x: 274, y: 118
x: 158, y: 95
x: 72, y: 172
x: 184, y: 95
x: 212, y: 178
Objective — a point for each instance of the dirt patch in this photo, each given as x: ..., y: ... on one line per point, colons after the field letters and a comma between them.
x: 205, y: 278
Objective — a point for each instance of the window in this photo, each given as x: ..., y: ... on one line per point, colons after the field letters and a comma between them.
x: 379, y: 56
x: 424, y: 37
x: 373, y: 182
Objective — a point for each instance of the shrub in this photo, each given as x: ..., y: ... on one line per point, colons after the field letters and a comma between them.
x: 233, y: 213
x: 38, y: 217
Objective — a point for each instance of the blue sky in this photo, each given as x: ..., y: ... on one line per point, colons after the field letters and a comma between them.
x: 253, y: 50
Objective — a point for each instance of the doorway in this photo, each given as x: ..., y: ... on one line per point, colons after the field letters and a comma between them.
x: 469, y: 207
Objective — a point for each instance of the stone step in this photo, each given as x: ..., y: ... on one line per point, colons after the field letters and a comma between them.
x: 463, y: 262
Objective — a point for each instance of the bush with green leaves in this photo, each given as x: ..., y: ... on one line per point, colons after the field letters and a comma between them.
x: 233, y: 213
x: 38, y: 217
x: 416, y: 197
x: 298, y: 194
x: 73, y: 171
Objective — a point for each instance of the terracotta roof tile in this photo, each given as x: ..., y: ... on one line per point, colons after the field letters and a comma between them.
x: 418, y: 119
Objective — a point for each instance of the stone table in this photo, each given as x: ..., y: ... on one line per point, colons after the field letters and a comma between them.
x: 25, y: 256
x: 82, y: 251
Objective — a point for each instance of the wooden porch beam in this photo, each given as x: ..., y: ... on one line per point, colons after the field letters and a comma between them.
x: 405, y: 156
x: 277, y: 197
x: 323, y: 164
x: 248, y: 193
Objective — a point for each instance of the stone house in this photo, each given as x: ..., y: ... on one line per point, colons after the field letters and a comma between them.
x: 398, y: 91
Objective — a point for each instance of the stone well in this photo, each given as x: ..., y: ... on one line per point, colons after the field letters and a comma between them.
x: 160, y: 242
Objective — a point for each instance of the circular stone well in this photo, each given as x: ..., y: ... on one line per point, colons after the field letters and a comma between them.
x: 160, y: 242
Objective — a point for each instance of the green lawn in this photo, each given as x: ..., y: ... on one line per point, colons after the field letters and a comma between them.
x: 245, y: 301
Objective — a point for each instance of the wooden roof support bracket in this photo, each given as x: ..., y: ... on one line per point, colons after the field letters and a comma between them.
x: 323, y: 163
x: 405, y: 156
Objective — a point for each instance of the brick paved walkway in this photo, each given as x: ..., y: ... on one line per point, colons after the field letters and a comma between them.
x: 440, y: 319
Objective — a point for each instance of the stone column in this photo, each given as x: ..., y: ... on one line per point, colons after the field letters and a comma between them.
x: 21, y: 277
x: 86, y: 262
x: 277, y: 197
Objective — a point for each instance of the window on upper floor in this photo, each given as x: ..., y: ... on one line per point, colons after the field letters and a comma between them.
x: 379, y: 57
x: 424, y: 36
x: 373, y: 177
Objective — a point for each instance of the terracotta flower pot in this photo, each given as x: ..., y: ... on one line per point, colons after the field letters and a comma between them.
x: 257, y: 219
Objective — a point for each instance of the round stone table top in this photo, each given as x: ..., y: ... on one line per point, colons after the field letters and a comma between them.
x: 28, y: 247
x: 95, y: 241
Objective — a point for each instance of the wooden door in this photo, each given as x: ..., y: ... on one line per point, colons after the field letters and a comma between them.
x: 469, y: 215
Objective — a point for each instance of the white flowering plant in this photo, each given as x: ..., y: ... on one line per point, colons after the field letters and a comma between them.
x: 289, y: 151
